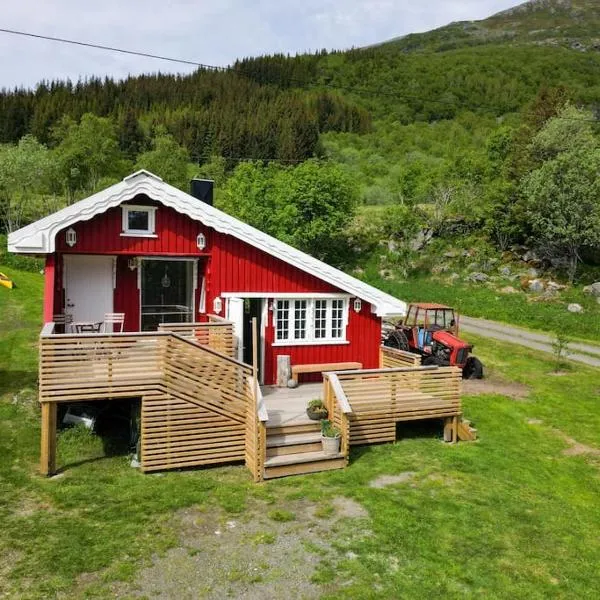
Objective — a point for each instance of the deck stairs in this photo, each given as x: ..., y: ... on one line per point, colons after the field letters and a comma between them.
x: 295, y: 449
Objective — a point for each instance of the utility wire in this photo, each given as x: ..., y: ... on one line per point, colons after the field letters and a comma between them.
x: 300, y: 83
x: 113, y: 49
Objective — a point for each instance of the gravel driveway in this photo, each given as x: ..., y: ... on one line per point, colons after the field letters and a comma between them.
x: 583, y: 353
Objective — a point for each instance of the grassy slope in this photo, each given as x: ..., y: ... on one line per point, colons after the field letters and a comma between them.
x: 507, y: 517
x: 481, y: 301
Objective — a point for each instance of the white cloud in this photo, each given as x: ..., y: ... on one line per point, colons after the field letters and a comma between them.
x: 209, y: 32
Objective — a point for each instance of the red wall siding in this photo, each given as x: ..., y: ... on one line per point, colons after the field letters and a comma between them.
x: 127, y: 296
x: 230, y: 265
x: 235, y: 266
x: 176, y: 234
x: 49, y: 289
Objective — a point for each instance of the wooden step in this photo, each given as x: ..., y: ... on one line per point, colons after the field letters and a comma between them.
x: 295, y: 443
x: 305, y: 457
x: 289, y: 439
x: 299, y: 464
x: 278, y: 429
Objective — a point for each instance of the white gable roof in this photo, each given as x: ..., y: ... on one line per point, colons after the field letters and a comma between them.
x: 39, y: 237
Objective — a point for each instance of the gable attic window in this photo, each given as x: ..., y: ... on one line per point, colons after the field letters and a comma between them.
x: 139, y: 221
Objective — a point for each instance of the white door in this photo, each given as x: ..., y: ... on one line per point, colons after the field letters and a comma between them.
x: 235, y: 314
x: 88, y: 286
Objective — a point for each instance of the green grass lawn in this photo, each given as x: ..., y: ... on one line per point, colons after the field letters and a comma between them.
x: 509, y: 516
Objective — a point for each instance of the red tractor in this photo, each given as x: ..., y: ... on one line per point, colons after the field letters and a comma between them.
x: 431, y: 330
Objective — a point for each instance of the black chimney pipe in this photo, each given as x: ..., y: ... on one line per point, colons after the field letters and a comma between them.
x: 202, y: 189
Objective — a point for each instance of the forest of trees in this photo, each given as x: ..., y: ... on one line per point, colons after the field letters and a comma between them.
x: 464, y: 141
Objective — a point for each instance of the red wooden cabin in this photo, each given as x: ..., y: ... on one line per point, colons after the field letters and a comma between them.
x: 157, y: 254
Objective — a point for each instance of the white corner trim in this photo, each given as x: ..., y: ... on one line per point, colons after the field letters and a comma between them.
x: 40, y: 237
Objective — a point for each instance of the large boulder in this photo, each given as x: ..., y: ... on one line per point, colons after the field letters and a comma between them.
x: 478, y: 277
x: 536, y: 286
x: 593, y: 290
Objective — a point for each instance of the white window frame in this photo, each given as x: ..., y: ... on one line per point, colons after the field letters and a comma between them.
x: 310, y: 338
x: 150, y: 210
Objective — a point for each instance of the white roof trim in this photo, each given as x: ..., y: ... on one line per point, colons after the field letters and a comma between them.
x: 39, y: 237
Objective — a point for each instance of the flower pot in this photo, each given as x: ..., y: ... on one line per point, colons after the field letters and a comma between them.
x: 316, y: 415
x: 331, y: 445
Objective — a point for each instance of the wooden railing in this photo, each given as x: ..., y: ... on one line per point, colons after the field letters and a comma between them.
x: 217, y: 333
x: 392, y: 358
x: 339, y: 409
x: 379, y: 398
x: 256, y: 430
x: 194, y: 398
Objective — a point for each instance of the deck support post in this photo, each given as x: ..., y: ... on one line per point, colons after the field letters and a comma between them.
x: 48, y: 439
x: 451, y: 429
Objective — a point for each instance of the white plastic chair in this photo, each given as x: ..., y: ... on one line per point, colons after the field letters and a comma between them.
x: 115, y: 321
x: 64, y: 319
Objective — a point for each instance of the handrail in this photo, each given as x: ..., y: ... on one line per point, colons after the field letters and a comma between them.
x: 377, y: 371
x: 209, y: 350
x: 338, y: 390
x: 194, y: 325
x: 145, y: 334
x: 262, y: 413
x: 219, y: 320
x: 48, y: 329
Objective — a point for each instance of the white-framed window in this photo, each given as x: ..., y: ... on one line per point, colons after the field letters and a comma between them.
x: 139, y: 221
x: 310, y: 321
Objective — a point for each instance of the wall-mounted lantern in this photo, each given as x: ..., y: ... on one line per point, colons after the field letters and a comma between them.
x: 201, y: 241
x: 217, y: 305
x: 70, y: 237
x: 133, y: 264
x: 357, y: 305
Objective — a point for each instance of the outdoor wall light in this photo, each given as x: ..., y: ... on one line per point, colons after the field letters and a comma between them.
x: 201, y: 241
x: 357, y: 305
x: 217, y: 305
x: 132, y: 263
x: 71, y: 237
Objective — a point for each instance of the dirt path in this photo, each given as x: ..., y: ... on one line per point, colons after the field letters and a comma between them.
x: 523, y: 337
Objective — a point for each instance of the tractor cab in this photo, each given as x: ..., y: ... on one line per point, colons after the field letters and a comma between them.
x: 431, y: 330
x: 423, y: 319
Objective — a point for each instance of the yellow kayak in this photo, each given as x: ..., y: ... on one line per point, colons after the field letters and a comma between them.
x: 6, y: 282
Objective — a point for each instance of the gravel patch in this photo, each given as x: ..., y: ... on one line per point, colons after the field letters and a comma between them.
x: 384, y: 480
x: 251, y: 556
x: 495, y: 385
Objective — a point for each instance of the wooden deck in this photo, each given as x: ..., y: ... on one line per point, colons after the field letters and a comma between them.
x: 200, y: 406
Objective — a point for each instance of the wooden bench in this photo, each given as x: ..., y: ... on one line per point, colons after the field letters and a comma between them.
x: 319, y: 367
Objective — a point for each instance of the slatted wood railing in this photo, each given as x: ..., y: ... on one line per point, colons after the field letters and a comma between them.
x: 217, y: 333
x: 339, y: 409
x: 379, y: 398
x: 256, y: 430
x: 392, y: 358
x: 194, y: 398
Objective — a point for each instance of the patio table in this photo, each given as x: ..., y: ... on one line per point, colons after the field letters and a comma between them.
x: 88, y: 326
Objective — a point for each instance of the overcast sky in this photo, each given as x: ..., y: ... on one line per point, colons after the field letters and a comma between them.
x: 213, y: 32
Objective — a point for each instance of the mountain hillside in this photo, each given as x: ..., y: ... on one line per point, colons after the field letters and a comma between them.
x: 568, y: 23
x: 439, y: 134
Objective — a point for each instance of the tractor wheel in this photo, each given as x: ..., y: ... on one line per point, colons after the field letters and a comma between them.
x: 473, y: 368
x: 397, y: 339
x: 429, y: 361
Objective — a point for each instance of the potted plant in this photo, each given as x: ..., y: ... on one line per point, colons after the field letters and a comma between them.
x: 330, y: 438
x: 316, y: 410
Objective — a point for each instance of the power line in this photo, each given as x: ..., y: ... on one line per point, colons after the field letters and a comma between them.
x: 355, y: 90
x: 113, y: 49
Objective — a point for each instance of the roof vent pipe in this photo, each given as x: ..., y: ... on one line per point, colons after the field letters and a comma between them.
x: 202, y: 189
